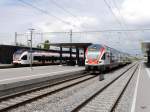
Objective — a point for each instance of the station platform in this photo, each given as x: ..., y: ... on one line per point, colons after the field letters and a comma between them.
x: 17, y: 77
x: 141, y: 98
x: 5, y: 66
x: 25, y: 73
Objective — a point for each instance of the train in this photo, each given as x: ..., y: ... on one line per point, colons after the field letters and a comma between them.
x: 101, y: 58
x: 23, y: 57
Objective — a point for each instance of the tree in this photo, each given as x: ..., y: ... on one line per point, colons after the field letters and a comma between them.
x: 20, y: 44
x: 46, y: 44
x: 39, y: 46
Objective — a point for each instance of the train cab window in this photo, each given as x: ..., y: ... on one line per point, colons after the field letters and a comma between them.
x: 104, y: 56
x: 24, y: 57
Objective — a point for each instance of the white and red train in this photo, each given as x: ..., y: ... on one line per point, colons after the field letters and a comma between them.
x: 98, y: 57
x: 101, y: 57
x: 23, y: 57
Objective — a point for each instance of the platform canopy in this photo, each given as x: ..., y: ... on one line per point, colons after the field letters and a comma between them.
x: 73, y: 45
x: 145, y: 47
x: 146, y: 50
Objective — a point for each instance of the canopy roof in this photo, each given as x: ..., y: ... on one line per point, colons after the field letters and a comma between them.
x: 68, y: 45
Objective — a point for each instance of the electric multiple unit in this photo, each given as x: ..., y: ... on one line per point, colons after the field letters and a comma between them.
x: 101, y: 57
x: 98, y: 57
x: 23, y: 57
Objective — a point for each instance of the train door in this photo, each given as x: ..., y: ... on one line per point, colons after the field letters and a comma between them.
x: 111, y: 58
x: 107, y: 57
x: 29, y: 58
x: 43, y: 59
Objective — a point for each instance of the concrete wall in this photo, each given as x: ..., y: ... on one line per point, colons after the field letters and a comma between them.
x: 6, y: 53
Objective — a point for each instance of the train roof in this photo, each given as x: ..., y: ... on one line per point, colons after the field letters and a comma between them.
x: 102, y: 45
x: 19, y: 51
x: 74, y: 45
x: 96, y: 45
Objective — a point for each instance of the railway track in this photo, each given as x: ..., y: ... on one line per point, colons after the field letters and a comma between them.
x: 76, y: 102
x: 21, y: 98
x: 107, y: 98
x: 119, y: 96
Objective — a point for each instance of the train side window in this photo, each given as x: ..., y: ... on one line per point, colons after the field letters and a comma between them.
x: 104, y: 56
x: 24, y: 57
x: 37, y: 58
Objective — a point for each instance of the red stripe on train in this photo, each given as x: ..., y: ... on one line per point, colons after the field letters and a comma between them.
x: 95, y: 61
x: 101, y: 53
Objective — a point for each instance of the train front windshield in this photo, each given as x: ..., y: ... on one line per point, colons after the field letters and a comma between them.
x: 93, y: 51
x: 17, y: 54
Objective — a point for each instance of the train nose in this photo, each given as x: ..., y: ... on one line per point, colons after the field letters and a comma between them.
x: 92, y: 61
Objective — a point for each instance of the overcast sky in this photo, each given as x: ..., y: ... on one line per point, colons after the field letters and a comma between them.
x: 78, y: 15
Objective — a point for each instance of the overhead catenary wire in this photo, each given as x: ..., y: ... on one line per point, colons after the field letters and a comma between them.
x: 67, y: 11
x: 114, y: 15
x: 64, y: 9
x: 118, y: 30
x: 46, y: 12
x: 110, y: 9
x: 100, y: 31
x: 121, y: 16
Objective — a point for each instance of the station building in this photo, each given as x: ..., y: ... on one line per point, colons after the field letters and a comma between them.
x: 146, y: 50
x: 7, y: 51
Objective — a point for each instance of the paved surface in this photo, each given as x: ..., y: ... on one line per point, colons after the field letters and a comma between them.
x: 106, y: 99
x: 125, y: 102
x: 6, y: 65
x: 68, y: 99
x: 17, y: 74
x: 142, y: 96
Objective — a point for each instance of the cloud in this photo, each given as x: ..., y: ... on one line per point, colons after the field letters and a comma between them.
x: 136, y: 11
x: 90, y: 15
x: 78, y: 24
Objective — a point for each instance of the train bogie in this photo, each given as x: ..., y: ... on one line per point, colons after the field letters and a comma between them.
x: 96, y: 68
